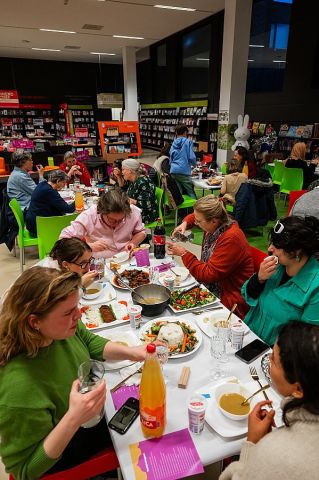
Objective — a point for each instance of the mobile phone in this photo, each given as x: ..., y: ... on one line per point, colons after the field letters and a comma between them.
x: 251, y: 351
x: 125, y: 416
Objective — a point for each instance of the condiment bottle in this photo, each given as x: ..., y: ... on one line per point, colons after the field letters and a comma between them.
x: 152, y: 396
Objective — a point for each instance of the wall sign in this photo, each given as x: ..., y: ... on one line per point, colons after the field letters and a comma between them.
x: 9, y: 98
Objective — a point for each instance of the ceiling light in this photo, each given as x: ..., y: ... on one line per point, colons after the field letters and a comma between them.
x: 249, y: 60
x: 203, y: 59
x: 56, y: 31
x: 46, y: 49
x: 170, y: 7
x: 126, y: 36
x: 279, y: 61
x: 257, y: 46
x: 102, y: 53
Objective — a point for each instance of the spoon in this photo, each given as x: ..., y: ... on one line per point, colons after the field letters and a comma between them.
x: 251, y: 396
x: 230, y: 313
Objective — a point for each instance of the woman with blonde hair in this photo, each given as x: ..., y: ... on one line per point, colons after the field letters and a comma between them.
x: 225, y: 262
x: 42, y: 344
x: 297, y: 159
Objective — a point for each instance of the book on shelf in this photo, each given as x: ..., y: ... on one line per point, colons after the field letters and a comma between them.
x: 261, y: 129
x: 292, y: 132
x: 283, y: 130
x: 255, y: 128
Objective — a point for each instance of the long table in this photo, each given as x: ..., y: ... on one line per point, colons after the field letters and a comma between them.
x: 210, y: 446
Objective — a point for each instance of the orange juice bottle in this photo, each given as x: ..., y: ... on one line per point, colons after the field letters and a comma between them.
x: 152, y: 396
x: 79, y: 201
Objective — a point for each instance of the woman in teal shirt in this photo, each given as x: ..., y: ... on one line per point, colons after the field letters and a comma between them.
x: 287, y: 284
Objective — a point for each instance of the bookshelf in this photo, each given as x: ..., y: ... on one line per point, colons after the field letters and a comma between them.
x: 29, y: 121
x: 158, y: 122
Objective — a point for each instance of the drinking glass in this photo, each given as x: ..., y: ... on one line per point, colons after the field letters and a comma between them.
x: 91, y: 374
x: 162, y: 352
x: 218, y: 354
x: 99, y: 266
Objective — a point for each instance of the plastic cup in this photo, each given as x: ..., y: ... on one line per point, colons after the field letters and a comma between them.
x: 169, y: 280
x: 237, y: 336
x: 196, y: 413
x: 91, y: 374
x: 135, y: 313
x: 142, y: 257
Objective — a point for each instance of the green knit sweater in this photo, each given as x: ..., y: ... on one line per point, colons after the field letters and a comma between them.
x: 34, y: 396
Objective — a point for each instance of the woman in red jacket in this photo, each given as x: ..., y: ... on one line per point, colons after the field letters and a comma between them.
x: 75, y: 169
x: 225, y: 262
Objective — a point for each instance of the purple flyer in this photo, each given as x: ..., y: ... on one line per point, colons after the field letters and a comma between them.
x: 170, y: 457
x: 123, y: 393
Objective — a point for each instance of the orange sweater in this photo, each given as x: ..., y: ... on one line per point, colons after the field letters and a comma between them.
x: 230, y: 266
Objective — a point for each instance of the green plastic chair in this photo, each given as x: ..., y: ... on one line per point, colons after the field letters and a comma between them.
x: 278, y: 172
x: 159, y: 197
x: 49, y: 229
x: 224, y: 168
x: 24, y: 236
x: 291, y: 180
x: 188, y: 202
x: 51, y: 162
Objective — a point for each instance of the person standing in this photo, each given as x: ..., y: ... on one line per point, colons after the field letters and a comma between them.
x: 182, y: 157
x: 20, y: 184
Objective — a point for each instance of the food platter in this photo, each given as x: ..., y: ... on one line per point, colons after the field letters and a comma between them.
x: 116, y: 284
x: 92, y: 319
x: 205, y: 320
x: 146, y: 329
x: 207, y: 300
x: 127, y: 338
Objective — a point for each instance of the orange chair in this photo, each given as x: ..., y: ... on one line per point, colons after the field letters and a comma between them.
x: 3, y: 168
x: 294, y: 195
x: 258, y: 256
x: 104, y: 461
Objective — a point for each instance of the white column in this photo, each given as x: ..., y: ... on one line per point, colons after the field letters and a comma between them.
x: 234, y: 70
x: 130, y: 85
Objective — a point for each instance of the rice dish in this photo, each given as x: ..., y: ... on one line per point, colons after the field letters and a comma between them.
x: 171, y: 333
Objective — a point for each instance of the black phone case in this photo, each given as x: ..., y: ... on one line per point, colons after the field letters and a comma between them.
x: 262, y: 347
x: 132, y: 403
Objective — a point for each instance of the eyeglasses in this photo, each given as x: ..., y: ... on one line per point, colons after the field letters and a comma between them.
x: 84, y: 264
x: 113, y: 221
x: 279, y: 227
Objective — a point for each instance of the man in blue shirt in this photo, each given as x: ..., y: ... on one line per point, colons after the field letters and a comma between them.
x: 20, y: 184
x: 182, y: 157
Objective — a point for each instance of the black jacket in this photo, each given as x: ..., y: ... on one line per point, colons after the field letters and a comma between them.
x: 8, y: 225
x: 255, y: 205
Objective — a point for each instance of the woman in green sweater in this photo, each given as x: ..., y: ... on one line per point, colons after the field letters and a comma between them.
x: 287, y: 284
x: 42, y: 344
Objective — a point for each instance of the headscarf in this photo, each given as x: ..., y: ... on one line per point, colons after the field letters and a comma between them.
x: 298, y: 151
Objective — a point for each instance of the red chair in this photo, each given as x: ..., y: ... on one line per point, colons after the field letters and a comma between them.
x: 3, y: 168
x: 104, y: 461
x: 294, y: 195
x: 258, y: 256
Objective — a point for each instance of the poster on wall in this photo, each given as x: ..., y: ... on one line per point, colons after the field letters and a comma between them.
x: 9, y: 98
x: 109, y: 100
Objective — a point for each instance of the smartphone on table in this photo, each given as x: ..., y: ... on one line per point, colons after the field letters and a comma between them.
x: 250, y: 352
x: 125, y: 416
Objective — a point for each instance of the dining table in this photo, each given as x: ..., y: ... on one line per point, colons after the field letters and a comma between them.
x: 204, y: 185
x: 210, y: 444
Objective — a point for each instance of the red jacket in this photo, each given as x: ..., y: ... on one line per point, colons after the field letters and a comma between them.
x: 84, y: 178
x: 230, y: 266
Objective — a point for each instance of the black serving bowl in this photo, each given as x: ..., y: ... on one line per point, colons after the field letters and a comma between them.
x: 158, y: 292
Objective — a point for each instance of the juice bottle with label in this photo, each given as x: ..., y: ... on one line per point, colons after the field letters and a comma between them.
x: 152, y: 396
x: 78, y: 199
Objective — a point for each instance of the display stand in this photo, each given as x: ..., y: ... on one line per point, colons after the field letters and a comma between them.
x: 119, y: 140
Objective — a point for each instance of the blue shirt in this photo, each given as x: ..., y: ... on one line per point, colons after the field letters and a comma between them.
x: 45, y: 202
x: 20, y: 186
x: 182, y: 156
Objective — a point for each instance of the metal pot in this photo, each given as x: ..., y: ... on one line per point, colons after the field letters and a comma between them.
x: 158, y: 292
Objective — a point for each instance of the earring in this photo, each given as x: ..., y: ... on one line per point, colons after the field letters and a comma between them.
x: 297, y: 258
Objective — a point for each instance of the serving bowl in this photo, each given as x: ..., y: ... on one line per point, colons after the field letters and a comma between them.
x: 227, y: 388
x: 94, y: 286
x: 158, y: 296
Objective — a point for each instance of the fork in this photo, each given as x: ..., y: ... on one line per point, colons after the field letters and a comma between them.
x: 254, y: 375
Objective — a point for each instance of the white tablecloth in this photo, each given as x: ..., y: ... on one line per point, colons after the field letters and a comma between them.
x: 204, y: 185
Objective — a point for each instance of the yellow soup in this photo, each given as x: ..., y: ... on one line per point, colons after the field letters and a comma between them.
x: 91, y: 291
x: 232, y: 403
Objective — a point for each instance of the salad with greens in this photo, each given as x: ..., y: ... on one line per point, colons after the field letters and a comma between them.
x: 195, y: 297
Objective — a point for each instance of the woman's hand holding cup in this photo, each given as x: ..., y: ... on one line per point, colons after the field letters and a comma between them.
x: 267, y: 268
x: 83, y: 408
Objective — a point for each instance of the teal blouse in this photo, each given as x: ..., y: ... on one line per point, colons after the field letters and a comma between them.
x: 143, y: 191
x: 297, y: 299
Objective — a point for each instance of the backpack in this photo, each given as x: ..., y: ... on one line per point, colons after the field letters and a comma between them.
x: 175, y: 198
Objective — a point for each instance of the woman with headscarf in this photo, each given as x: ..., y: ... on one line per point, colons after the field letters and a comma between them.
x: 297, y: 159
x: 141, y: 190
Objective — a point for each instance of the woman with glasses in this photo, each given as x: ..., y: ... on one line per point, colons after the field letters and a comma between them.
x: 225, y: 262
x: 111, y: 226
x: 286, y: 286
x: 289, y: 452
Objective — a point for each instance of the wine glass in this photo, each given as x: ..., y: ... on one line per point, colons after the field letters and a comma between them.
x: 218, y: 353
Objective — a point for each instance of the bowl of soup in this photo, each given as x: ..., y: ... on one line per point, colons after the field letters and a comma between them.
x: 229, y: 398
x: 92, y: 291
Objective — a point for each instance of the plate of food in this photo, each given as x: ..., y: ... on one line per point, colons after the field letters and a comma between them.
x: 210, y: 321
x: 185, y: 280
x: 191, y: 299
x: 95, y: 317
x: 107, y: 295
x: 127, y: 338
x: 135, y: 276
x: 182, y: 338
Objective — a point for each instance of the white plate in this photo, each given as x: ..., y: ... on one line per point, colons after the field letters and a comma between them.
x: 198, y: 333
x: 112, y: 279
x: 186, y: 283
x: 129, y: 337
x: 107, y: 295
x: 93, y: 311
x: 198, y: 307
x: 203, y: 321
x: 121, y: 257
